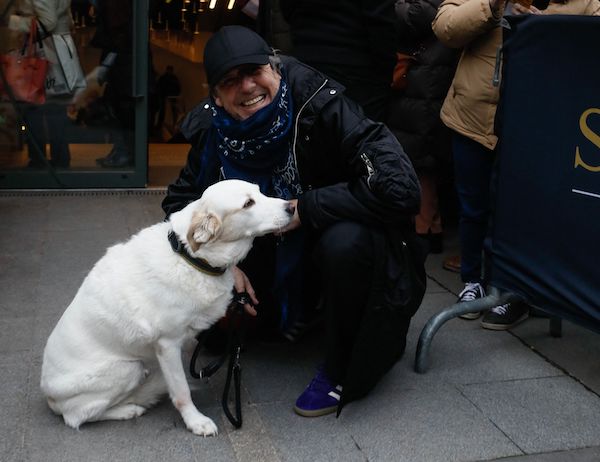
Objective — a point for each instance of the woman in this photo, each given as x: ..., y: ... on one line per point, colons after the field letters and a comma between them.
x: 469, y: 110
x: 48, y: 122
x: 414, y: 111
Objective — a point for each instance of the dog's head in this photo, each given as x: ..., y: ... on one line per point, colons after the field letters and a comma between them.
x: 228, y: 212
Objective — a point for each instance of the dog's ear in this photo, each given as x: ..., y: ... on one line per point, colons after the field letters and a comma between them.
x: 203, y: 228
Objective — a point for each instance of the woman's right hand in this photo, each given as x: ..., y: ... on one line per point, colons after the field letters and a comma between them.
x: 241, y: 283
x: 520, y: 9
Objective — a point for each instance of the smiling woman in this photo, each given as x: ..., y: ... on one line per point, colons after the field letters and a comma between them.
x: 286, y: 127
x: 246, y: 89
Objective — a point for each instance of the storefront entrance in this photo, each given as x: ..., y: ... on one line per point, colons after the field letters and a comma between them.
x: 143, y: 67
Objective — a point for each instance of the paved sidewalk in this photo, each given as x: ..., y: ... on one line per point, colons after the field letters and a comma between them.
x: 521, y: 395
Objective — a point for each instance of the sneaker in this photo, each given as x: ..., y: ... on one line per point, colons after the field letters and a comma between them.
x: 319, y: 398
x: 472, y: 291
x: 505, y: 317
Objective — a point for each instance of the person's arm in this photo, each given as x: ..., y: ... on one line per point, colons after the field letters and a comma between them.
x: 45, y: 11
x: 382, y: 187
x: 183, y: 190
x: 458, y: 22
x: 414, y: 17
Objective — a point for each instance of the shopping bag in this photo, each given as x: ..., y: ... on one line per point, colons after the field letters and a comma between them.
x: 23, y: 73
x: 64, y: 75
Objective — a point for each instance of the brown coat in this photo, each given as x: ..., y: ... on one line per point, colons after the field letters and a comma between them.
x: 470, y: 106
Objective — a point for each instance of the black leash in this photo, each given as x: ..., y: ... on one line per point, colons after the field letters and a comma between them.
x: 234, y: 348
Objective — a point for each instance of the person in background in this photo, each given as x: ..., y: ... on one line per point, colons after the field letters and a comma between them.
x: 272, y: 26
x: 114, y: 36
x: 167, y: 88
x: 350, y: 247
x: 351, y: 41
x: 469, y: 110
x: 47, y: 123
x: 414, y: 111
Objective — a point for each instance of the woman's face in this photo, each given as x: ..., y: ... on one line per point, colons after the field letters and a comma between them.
x: 246, y: 89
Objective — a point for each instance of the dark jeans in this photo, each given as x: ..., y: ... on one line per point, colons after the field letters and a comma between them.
x: 47, y: 124
x: 473, y: 165
x: 339, y: 266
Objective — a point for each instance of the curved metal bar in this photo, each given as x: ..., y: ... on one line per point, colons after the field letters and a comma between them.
x: 494, y: 298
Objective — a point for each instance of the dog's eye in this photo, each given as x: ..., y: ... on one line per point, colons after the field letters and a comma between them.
x: 249, y: 203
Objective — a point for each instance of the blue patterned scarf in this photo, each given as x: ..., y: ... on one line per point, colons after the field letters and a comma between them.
x: 259, y: 150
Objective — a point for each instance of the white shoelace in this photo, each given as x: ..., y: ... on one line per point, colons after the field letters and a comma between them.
x: 500, y: 309
x: 472, y: 291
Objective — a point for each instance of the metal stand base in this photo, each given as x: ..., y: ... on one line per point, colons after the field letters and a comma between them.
x: 494, y: 298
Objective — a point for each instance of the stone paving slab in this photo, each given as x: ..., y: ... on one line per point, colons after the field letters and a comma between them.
x: 577, y: 351
x: 546, y: 414
x: 576, y: 455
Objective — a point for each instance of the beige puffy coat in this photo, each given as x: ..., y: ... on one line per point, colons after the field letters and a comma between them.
x: 470, y: 106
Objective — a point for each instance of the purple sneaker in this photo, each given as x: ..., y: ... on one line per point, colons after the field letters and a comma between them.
x: 319, y: 398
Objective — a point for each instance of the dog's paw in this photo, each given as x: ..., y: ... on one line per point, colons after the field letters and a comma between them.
x: 202, y: 425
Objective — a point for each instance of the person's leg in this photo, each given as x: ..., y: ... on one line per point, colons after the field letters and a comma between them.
x: 428, y: 223
x: 56, y: 120
x: 344, y: 255
x: 36, y: 138
x: 473, y: 168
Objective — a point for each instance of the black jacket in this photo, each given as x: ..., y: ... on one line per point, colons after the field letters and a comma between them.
x: 350, y: 168
x: 414, y: 114
x: 343, y: 33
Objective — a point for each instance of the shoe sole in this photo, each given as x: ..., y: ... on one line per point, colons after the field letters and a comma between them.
x: 316, y: 412
x: 492, y: 326
x: 470, y: 316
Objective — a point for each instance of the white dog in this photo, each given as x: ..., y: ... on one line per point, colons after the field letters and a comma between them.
x: 117, y: 347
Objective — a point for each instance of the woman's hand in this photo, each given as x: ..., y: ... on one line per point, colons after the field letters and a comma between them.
x: 520, y: 9
x: 295, y: 223
x: 241, y: 283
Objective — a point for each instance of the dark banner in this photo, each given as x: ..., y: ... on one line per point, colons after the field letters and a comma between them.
x: 545, y: 236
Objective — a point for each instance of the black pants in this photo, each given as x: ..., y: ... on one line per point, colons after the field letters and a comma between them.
x: 338, y: 271
x: 47, y: 124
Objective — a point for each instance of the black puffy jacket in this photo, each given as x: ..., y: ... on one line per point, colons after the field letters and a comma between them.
x: 414, y: 114
x: 350, y: 168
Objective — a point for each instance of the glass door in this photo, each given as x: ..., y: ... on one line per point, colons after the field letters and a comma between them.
x: 179, y: 30
x: 90, y: 131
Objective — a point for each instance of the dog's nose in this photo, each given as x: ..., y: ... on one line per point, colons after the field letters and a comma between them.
x: 290, y: 208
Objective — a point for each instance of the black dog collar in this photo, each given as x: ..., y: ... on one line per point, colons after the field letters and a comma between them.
x: 198, y: 263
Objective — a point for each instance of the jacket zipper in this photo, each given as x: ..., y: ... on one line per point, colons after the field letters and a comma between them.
x: 370, y: 169
x: 296, y: 125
